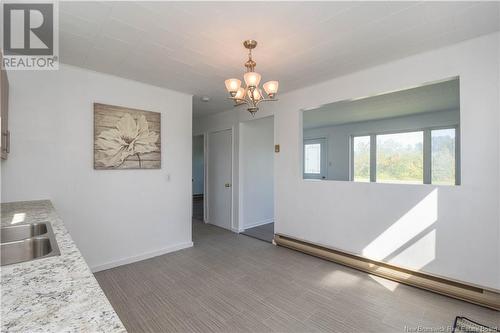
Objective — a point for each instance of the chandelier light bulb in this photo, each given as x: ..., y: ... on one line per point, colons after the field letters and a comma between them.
x: 240, y: 94
x: 252, y: 79
x: 271, y: 88
x: 232, y: 85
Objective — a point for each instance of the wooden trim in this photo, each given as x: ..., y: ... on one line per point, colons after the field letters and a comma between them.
x: 470, y: 293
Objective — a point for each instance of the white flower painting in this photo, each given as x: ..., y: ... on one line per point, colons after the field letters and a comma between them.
x: 126, y: 138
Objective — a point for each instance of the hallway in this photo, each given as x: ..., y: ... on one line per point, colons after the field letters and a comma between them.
x: 198, y: 205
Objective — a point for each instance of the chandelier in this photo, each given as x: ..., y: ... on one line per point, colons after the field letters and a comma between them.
x: 251, y: 95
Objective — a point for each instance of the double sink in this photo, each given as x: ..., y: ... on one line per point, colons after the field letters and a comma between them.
x: 25, y: 242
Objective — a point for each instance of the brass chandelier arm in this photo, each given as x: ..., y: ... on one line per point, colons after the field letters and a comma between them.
x: 267, y: 100
x: 241, y: 101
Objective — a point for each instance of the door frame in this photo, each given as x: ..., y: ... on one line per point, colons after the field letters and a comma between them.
x: 323, y: 141
x: 205, y: 160
x: 206, y: 213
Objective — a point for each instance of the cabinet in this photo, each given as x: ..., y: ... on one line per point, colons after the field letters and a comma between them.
x: 4, y: 114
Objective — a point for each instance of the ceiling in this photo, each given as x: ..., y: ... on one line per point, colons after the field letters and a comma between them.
x: 193, y: 47
x: 434, y: 97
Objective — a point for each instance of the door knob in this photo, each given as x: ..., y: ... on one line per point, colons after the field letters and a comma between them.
x: 227, y: 185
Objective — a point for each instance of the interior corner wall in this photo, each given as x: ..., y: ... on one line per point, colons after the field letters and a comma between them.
x: 256, y: 155
x: 114, y: 216
x: 450, y: 231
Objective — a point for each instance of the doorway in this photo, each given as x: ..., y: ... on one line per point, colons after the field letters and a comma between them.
x: 198, y: 179
x: 219, y: 179
x: 315, y: 158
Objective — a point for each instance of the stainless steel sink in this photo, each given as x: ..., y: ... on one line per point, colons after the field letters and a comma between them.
x: 39, y: 242
x: 22, y: 231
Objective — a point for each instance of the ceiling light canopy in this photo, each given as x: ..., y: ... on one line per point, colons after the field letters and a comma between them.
x: 251, y: 95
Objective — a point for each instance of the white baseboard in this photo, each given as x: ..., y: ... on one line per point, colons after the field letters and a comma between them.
x: 236, y: 230
x: 256, y: 224
x: 140, y: 257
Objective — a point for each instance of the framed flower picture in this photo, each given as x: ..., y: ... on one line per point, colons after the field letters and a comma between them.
x: 126, y: 138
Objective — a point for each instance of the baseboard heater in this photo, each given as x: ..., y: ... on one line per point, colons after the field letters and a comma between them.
x: 470, y: 293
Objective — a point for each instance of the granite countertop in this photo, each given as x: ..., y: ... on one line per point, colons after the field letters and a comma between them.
x: 54, y: 294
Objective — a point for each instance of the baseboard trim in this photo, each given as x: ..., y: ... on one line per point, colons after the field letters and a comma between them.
x: 483, y: 296
x: 259, y: 223
x: 140, y: 257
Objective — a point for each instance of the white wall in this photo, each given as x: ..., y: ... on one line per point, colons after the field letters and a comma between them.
x: 256, y: 172
x: 198, y: 164
x: 448, y: 231
x: 114, y: 216
x: 338, y: 137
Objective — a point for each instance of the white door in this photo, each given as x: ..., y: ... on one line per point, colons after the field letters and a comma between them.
x: 315, y: 158
x: 219, y: 178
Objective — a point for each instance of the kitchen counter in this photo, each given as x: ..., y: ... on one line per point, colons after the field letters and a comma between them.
x: 53, y: 294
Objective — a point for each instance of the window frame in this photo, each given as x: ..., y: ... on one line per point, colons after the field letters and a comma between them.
x: 427, y: 152
x: 351, y: 156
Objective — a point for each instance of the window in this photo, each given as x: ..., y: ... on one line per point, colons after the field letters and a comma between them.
x: 400, y: 158
x: 443, y: 157
x: 361, y: 158
x: 427, y: 156
x: 315, y: 158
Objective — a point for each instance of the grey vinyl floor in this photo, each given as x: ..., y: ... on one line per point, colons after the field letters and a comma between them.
x: 233, y: 283
x: 263, y: 232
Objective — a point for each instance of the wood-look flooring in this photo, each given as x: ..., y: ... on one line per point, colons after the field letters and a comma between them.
x: 233, y: 283
x: 263, y: 232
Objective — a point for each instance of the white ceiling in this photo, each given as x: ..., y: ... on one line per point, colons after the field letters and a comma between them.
x: 434, y: 97
x: 194, y: 46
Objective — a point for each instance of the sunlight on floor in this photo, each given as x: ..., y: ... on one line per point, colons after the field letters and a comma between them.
x: 417, y: 219
x: 388, y: 284
x: 339, y: 278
